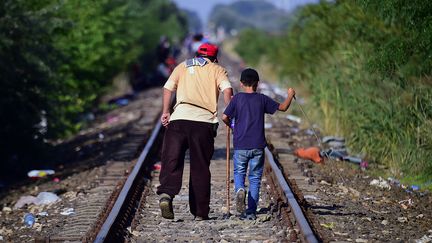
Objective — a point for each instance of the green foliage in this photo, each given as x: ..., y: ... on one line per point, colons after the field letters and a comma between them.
x: 407, y: 52
x: 368, y: 67
x: 28, y: 63
x: 254, y: 43
x: 58, y: 57
x: 101, y: 39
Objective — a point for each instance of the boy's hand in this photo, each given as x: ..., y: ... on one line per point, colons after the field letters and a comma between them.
x: 287, y: 102
x: 291, y: 92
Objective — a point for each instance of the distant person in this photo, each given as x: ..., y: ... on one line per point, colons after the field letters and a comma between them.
x: 136, y: 77
x: 163, y: 49
x: 247, y: 109
x: 197, y: 41
x: 164, y: 69
x: 197, y: 83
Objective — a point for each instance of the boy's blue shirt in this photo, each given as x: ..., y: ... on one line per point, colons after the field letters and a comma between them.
x: 248, y: 110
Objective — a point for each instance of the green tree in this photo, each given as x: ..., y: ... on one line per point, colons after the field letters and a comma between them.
x: 58, y: 57
x: 368, y: 67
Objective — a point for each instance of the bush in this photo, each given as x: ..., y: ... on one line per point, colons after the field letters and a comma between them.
x: 58, y: 57
x: 366, y: 64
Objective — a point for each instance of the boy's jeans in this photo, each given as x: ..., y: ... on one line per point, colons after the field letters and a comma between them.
x: 255, y: 159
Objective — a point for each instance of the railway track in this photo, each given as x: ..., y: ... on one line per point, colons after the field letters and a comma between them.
x: 121, y: 205
x: 280, y: 216
x: 338, y: 203
x: 92, y: 206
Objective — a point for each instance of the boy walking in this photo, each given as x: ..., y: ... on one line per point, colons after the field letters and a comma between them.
x: 247, y: 109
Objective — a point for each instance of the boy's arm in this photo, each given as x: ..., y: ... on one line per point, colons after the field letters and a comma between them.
x: 226, y: 119
x: 287, y: 102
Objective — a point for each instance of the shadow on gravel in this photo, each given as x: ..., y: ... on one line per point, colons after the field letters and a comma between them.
x: 220, y: 153
x: 264, y: 210
x: 327, y: 207
x: 329, y: 210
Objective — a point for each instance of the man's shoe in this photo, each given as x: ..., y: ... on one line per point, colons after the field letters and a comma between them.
x: 166, y: 207
x: 199, y: 218
x: 240, y: 200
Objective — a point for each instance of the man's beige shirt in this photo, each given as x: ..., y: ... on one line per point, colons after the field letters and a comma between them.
x: 200, y: 86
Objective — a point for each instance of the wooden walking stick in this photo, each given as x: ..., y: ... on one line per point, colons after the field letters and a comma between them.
x: 227, y: 215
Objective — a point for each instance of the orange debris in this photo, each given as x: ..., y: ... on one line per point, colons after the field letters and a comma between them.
x: 312, y: 153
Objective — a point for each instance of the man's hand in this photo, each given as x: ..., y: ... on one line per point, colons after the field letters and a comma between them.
x: 166, y: 101
x: 165, y: 119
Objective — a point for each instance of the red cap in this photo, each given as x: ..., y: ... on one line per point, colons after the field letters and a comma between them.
x: 208, y: 50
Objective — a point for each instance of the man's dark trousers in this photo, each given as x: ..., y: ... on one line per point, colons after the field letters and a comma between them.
x: 181, y: 135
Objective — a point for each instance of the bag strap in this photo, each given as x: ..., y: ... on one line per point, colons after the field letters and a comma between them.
x: 184, y: 102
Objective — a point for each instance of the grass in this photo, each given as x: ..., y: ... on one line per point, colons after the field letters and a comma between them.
x: 384, y: 116
x: 366, y: 82
x: 381, y: 120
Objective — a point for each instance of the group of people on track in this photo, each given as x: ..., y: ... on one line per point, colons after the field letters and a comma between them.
x: 197, y: 83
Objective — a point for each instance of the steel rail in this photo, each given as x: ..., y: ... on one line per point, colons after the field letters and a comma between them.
x: 298, y: 213
x: 107, y: 226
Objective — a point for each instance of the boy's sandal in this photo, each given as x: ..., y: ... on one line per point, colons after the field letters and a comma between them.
x: 248, y: 216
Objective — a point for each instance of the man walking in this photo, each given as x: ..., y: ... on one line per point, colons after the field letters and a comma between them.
x: 192, y: 125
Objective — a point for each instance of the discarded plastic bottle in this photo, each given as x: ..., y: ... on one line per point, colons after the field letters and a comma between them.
x: 29, y: 220
x: 352, y: 159
x: 415, y: 187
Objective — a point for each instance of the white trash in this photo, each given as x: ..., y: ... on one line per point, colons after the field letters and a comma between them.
x: 23, y: 200
x: 294, y: 118
x: 41, y: 199
x: 268, y: 125
x: 47, y: 198
x: 40, y: 173
x: 380, y: 183
x: 68, y: 211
